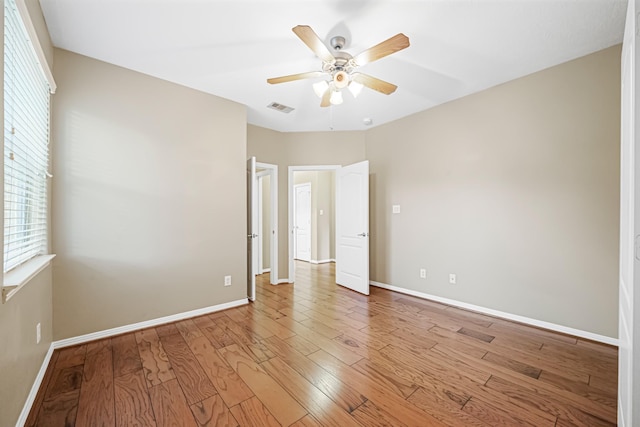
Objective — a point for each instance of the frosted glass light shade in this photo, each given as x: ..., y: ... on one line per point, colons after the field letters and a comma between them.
x: 355, y: 88
x: 336, y: 98
x: 320, y: 88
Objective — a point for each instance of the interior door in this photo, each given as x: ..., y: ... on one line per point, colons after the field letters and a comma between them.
x: 252, y: 227
x: 629, y: 291
x: 302, y: 221
x: 352, y: 227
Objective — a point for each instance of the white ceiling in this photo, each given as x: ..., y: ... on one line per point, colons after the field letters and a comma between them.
x: 230, y: 47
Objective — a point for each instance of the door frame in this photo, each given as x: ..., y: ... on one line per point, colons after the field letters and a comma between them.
x: 272, y: 171
x: 629, y: 297
x: 292, y: 169
x: 252, y: 217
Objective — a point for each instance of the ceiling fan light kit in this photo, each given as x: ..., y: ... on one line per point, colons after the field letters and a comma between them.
x: 340, y: 79
x: 341, y: 67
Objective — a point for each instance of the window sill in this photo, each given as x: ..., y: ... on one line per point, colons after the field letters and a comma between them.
x: 20, y: 276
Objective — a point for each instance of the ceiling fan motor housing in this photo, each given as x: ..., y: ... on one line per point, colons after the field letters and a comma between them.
x: 343, y: 62
x: 338, y: 42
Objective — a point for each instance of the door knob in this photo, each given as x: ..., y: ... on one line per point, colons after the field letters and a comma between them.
x: 363, y: 234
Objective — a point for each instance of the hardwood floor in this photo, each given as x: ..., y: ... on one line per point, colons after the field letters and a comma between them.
x: 316, y: 354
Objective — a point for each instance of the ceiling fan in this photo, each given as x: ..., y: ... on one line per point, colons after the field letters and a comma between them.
x: 341, y: 66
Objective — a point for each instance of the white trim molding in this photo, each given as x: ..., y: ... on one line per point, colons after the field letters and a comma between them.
x: 322, y: 261
x: 15, y: 279
x: 146, y: 324
x: 23, y: 10
x: 501, y: 314
x: 31, y: 397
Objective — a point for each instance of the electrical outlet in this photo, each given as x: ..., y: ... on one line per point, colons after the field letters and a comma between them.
x: 38, y: 334
x: 227, y: 280
x: 452, y: 279
x: 395, y: 209
x: 423, y: 273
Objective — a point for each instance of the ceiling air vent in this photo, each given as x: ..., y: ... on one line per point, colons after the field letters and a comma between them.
x: 280, y: 107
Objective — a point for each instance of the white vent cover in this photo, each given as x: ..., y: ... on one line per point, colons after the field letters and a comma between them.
x: 280, y: 107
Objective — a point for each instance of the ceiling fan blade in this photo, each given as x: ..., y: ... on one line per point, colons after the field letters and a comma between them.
x: 311, y: 39
x: 326, y: 98
x: 373, y: 83
x: 292, y: 77
x: 387, y: 47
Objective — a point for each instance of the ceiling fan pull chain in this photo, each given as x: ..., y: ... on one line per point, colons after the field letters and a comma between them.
x: 331, y: 117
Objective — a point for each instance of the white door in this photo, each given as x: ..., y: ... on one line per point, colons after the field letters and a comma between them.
x: 629, y: 291
x: 302, y: 221
x: 252, y: 227
x: 352, y: 227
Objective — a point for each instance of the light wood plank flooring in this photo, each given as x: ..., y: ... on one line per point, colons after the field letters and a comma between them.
x: 316, y: 354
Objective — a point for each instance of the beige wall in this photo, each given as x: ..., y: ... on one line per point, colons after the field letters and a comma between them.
x: 325, y: 222
x: 20, y: 356
x: 300, y: 149
x: 514, y: 189
x: 149, y: 209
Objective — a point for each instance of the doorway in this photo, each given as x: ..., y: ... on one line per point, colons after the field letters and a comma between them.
x: 320, y: 181
x: 263, y: 211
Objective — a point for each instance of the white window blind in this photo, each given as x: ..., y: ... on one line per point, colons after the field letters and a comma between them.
x: 26, y: 144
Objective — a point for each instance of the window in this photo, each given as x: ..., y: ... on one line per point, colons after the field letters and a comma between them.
x: 27, y: 91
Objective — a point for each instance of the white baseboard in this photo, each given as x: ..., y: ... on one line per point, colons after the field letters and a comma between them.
x: 22, y: 419
x: 322, y: 261
x: 622, y: 422
x: 266, y: 270
x: 280, y: 281
x: 504, y: 315
x: 146, y: 324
